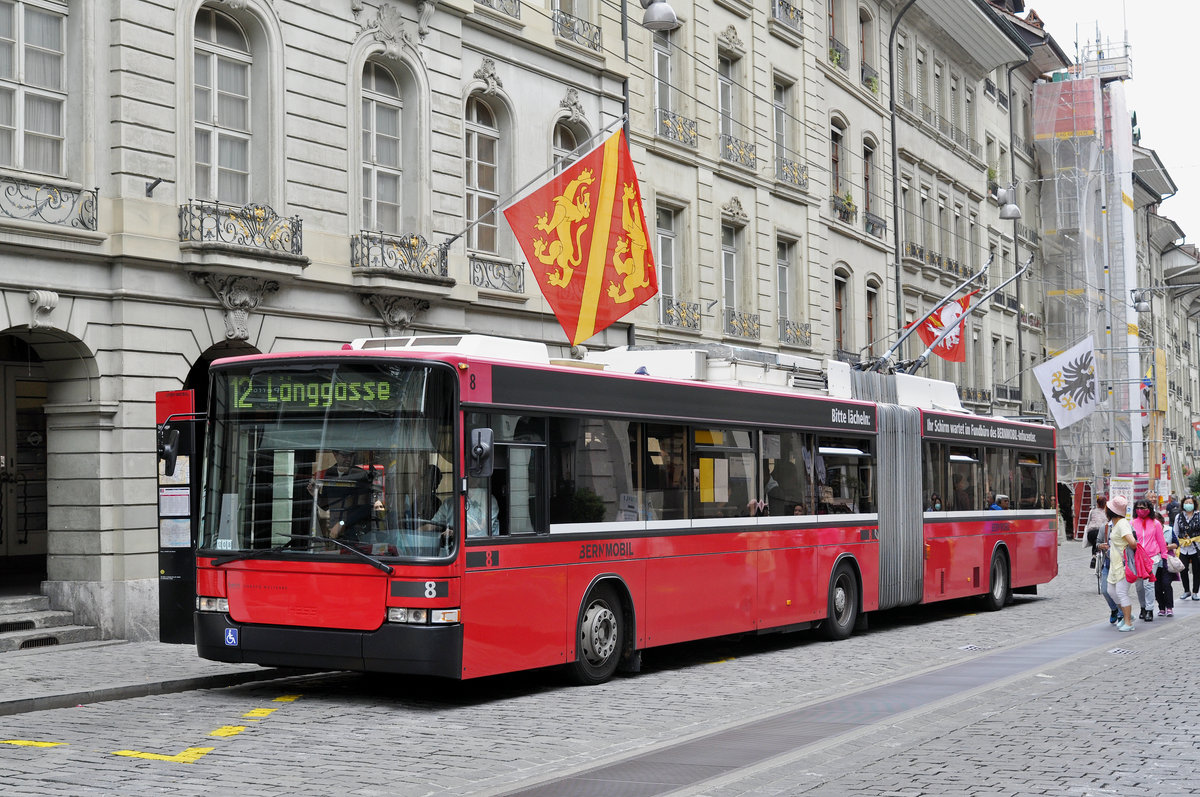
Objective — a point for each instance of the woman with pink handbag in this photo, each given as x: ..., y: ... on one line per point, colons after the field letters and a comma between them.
x: 1148, y: 532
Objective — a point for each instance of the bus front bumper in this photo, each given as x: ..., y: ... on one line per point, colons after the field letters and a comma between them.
x: 394, y: 647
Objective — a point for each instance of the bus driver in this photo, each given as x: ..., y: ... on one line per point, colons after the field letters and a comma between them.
x: 345, y: 497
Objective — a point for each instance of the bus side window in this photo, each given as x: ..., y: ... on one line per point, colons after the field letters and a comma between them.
x: 517, y: 485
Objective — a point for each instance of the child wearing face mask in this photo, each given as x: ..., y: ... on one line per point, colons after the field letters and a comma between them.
x: 1149, y: 534
x: 1164, y: 586
x: 1187, y: 530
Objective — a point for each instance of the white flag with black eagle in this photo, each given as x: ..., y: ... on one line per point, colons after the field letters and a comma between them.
x: 1069, y: 382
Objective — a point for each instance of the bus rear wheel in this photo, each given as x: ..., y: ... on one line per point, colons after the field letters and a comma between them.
x: 999, y: 587
x: 842, y: 611
x: 600, y: 637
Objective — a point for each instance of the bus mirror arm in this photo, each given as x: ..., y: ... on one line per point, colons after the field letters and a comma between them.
x: 481, y: 453
x: 168, y: 447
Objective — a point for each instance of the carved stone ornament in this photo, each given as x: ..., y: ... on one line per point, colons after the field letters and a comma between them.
x: 356, y: 7
x: 238, y: 5
x: 487, y: 73
x: 733, y: 211
x: 571, y: 104
x: 729, y: 40
x: 397, y: 312
x: 388, y: 29
x: 425, y: 10
x: 238, y: 295
x: 43, y: 303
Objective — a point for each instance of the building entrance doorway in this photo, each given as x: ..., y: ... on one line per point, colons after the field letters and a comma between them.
x: 22, y: 467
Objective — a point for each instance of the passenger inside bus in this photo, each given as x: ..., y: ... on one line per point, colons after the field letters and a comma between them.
x: 962, y: 499
x: 480, y: 505
x: 346, y: 497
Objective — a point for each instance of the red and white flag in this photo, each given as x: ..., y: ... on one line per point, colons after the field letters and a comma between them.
x: 954, y: 346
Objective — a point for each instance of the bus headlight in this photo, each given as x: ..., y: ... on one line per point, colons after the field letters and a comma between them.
x: 423, y: 616
x: 206, y: 604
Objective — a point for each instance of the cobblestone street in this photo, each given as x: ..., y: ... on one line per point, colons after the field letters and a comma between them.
x: 1053, y: 731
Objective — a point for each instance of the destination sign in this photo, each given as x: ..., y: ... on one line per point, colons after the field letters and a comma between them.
x: 989, y: 431
x: 289, y: 391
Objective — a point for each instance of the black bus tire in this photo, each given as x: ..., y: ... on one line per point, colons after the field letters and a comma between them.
x: 599, y: 637
x: 842, y: 608
x: 999, y: 591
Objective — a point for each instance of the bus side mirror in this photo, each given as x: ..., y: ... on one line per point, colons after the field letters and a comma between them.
x: 168, y: 448
x: 481, y: 460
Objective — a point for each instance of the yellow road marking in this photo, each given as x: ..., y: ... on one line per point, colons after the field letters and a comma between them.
x: 258, y: 713
x: 29, y: 743
x: 228, y: 730
x: 189, y: 756
x: 287, y: 699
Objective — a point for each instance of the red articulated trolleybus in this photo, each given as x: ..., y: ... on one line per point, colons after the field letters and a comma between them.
x: 462, y: 506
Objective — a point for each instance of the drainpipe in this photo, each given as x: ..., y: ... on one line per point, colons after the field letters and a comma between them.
x: 1012, y: 171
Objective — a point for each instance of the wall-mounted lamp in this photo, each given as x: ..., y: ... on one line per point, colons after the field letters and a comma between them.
x: 1141, y: 300
x: 152, y: 185
x: 1007, y: 197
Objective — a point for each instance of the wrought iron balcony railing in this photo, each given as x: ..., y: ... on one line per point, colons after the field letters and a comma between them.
x: 737, y: 151
x: 874, y: 225
x: 577, y: 30
x: 677, y: 128
x: 793, y: 333
x: 50, y: 204
x: 252, y: 226
x: 989, y: 87
x: 913, y: 251
x: 975, y: 395
x: 1029, y: 234
x: 791, y: 172
x: 844, y: 208
x: 788, y: 14
x: 870, y: 77
x: 1031, y: 320
x: 839, y: 55
x: 510, y: 7
x: 1002, y: 100
x: 497, y: 275
x: 742, y: 325
x: 405, y: 254
x: 680, y: 314
x: 908, y: 101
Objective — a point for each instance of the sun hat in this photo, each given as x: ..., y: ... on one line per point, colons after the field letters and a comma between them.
x: 1118, y: 505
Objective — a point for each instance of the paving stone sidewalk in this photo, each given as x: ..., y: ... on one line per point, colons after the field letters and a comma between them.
x: 53, y: 677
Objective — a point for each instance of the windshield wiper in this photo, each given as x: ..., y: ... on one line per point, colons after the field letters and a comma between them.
x: 251, y: 554
x: 371, y: 560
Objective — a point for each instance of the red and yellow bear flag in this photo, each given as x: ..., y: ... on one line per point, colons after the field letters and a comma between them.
x: 586, y: 240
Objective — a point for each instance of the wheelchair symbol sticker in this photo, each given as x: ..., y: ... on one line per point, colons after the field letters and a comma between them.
x: 231, y: 637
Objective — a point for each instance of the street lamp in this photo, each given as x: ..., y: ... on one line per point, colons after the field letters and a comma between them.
x: 659, y: 15
x: 1007, y: 197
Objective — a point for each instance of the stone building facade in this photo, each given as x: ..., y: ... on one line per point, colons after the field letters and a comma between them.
x: 190, y: 179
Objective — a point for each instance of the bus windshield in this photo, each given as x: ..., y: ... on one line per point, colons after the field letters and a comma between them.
x: 304, y: 454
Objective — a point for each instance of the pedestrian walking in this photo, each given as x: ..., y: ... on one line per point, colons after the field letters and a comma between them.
x: 1120, y: 540
x: 1097, y: 521
x: 1148, y: 532
x: 1172, y: 508
x: 1187, y: 529
x: 1164, y: 584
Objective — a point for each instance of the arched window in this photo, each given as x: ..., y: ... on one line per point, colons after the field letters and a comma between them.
x: 565, y: 142
x: 482, y: 174
x: 872, y: 311
x: 841, y: 309
x: 32, y: 88
x: 837, y: 174
x: 382, y: 165
x: 222, y: 108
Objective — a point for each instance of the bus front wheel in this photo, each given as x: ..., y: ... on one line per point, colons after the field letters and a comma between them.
x: 600, y: 637
x: 842, y: 611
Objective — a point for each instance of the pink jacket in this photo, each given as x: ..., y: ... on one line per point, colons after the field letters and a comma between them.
x: 1150, y: 537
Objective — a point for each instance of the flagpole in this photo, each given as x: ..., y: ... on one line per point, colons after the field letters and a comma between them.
x: 924, y: 358
x: 446, y: 244
x: 875, y: 366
